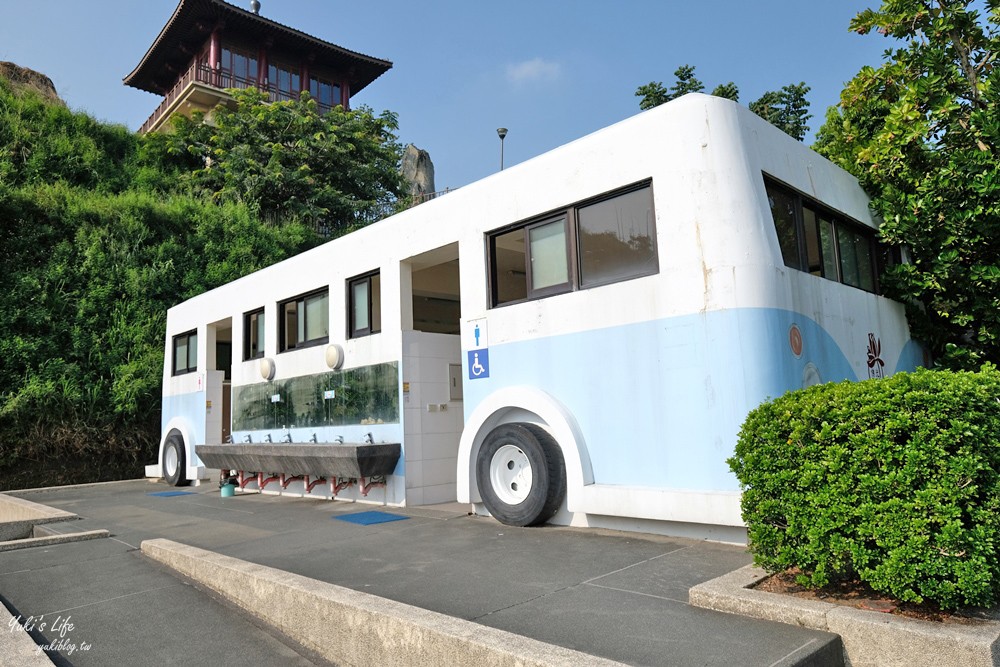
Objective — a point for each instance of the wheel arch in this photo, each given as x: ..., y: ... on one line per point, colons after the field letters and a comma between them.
x: 183, y: 428
x: 532, y: 405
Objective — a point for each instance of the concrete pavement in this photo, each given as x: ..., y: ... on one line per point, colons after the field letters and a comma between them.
x: 619, y: 596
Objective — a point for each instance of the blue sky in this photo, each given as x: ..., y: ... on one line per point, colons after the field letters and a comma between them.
x: 549, y: 70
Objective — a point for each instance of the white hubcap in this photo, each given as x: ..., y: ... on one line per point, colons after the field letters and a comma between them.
x: 510, y: 475
x: 171, y: 461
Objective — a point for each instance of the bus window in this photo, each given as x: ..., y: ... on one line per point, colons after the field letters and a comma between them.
x: 253, y: 335
x: 510, y: 274
x: 612, y: 238
x: 305, y: 320
x: 549, y: 265
x: 783, y: 211
x: 186, y: 353
x: 617, y: 239
x: 827, y: 249
x: 856, y: 259
x: 364, y: 305
x: 819, y: 242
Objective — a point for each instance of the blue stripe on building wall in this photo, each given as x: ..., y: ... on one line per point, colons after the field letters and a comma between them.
x: 660, y: 403
x: 189, y: 406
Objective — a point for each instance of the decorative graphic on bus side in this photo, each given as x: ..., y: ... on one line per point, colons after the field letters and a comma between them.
x: 795, y: 340
x: 876, y: 367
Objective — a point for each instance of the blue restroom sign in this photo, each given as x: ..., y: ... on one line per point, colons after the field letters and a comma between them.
x: 479, y: 364
x: 477, y: 336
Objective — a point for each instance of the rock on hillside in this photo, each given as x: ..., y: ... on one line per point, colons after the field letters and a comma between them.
x: 23, y: 78
x: 418, y: 170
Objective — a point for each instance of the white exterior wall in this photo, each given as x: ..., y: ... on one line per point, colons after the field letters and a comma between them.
x: 710, y: 321
x: 432, y: 422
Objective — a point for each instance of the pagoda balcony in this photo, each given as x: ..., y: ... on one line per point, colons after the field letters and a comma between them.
x: 202, y: 88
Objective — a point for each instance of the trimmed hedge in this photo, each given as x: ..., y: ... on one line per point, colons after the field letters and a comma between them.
x: 895, y: 482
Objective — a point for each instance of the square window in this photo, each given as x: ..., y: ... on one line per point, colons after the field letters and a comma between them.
x: 185, y: 353
x: 253, y: 334
x: 304, y: 321
x: 827, y: 249
x: 326, y: 94
x: 549, y: 263
x: 509, y: 257
x: 597, y: 242
x: 617, y: 239
x: 364, y: 303
x: 856, y: 265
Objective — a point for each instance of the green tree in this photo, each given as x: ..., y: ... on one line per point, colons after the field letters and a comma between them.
x: 729, y: 90
x: 104, y: 230
x: 653, y: 94
x: 787, y: 109
x: 286, y: 160
x: 922, y: 132
x: 42, y: 141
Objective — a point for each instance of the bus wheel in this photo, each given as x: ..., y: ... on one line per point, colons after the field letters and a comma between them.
x: 173, y: 460
x: 520, y: 474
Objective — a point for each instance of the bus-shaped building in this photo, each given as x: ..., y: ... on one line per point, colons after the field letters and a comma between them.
x: 576, y: 339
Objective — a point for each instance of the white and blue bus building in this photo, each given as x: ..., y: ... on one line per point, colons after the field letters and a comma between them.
x: 575, y: 339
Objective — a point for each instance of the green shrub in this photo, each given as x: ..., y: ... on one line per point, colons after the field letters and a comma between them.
x: 895, y: 482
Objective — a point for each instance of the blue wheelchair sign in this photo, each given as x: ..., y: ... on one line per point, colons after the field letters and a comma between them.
x: 479, y: 364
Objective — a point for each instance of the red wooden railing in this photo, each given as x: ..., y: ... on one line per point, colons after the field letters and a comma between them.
x: 220, y: 79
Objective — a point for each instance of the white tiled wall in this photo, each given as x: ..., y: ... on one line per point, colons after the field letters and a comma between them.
x: 430, y: 433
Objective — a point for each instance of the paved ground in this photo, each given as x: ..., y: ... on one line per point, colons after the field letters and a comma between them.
x: 617, y: 595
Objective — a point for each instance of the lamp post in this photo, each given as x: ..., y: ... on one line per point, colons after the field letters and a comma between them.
x: 501, y: 132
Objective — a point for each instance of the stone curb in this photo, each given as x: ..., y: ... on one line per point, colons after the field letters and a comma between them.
x: 353, y: 628
x: 39, y: 489
x: 870, y: 638
x: 52, y: 539
x: 13, y: 508
x: 18, y: 516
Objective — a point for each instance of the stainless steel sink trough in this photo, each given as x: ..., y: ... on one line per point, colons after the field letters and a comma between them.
x: 346, y: 460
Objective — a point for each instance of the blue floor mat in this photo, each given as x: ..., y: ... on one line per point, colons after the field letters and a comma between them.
x: 369, y: 518
x: 169, y: 494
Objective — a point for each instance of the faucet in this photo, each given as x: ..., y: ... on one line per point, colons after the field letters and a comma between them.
x: 313, y: 439
x: 247, y: 439
x: 267, y: 438
x: 368, y: 439
x: 287, y: 437
x: 340, y: 439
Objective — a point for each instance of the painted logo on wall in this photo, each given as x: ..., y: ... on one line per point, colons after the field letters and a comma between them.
x: 876, y: 367
x: 795, y: 340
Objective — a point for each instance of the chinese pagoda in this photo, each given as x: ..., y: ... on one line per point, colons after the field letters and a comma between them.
x: 208, y: 46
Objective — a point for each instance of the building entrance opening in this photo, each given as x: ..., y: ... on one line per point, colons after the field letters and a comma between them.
x: 432, y: 374
x: 218, y: 385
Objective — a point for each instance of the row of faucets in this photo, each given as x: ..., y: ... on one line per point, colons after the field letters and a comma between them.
x: 369, y: 440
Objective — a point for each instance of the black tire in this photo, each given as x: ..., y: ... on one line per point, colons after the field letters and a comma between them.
x: 174, y: 461
x: 514, y: 447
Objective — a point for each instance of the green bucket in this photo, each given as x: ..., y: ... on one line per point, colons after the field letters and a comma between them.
x: 228, y: 491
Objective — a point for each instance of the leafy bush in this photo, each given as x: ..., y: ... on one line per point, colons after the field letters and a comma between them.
x: 895, y: 482
x: 103, y: 230
x: 45, y: 142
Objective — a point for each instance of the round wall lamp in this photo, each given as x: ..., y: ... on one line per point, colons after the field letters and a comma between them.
x: 266, y: 368
x: 334, y: 356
